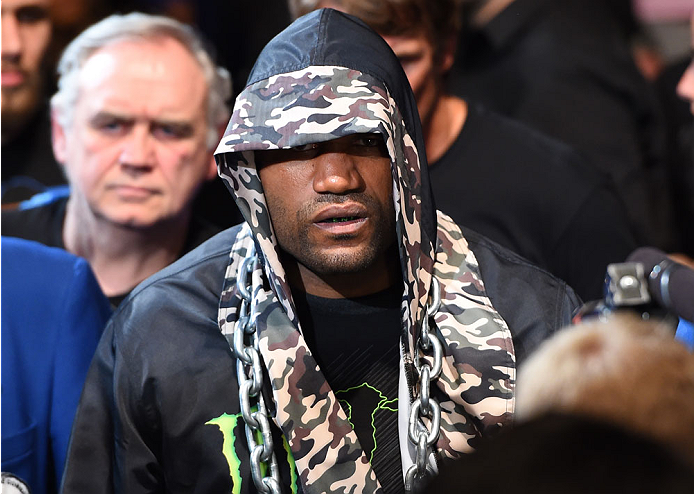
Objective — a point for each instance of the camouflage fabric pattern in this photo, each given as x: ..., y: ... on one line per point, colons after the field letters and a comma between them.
x: 478, y: 376
x: 476, y: 386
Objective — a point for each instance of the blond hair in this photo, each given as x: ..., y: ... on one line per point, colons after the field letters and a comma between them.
x: 624, y: 370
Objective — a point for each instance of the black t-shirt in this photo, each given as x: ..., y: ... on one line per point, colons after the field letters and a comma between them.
x: 535, y: 196
x: 356, y: 343
x: 44, y: 224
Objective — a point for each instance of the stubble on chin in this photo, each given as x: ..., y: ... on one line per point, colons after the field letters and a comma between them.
x: 337, y: 259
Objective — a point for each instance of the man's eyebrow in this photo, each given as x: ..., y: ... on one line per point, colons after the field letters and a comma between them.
x: 104, y: 116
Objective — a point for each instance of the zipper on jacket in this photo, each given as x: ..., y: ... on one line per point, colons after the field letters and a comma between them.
x: 410, y: 371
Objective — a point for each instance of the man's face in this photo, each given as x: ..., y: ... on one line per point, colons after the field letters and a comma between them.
x: 135, y: 150
x: 416, y: 54
x: 26, y: 32
x: 685, y: 88
x: 331, y: 203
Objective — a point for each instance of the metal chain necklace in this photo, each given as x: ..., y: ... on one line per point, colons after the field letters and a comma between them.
x: 424, y: 404
x: 249, y: 374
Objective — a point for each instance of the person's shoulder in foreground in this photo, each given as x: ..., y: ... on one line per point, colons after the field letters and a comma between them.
x: 53, y: 314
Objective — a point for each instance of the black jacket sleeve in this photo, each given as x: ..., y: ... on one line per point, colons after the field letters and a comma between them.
x: 90, y: 454
x: 107, y: 452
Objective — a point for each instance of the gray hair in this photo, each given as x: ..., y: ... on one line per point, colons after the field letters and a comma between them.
x: 139, y: 26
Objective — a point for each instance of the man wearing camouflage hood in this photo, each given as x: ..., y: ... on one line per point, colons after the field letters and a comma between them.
x: 360, y: 338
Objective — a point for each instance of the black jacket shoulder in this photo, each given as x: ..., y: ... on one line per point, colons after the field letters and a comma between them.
x: 534, y: 303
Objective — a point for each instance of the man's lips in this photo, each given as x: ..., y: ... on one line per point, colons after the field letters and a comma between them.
x: 132, y: 191
x: 12, y: 78
x: 341, y: 218
x: 340, y: 212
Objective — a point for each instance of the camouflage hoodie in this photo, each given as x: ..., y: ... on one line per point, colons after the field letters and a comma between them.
x: 324, y: 77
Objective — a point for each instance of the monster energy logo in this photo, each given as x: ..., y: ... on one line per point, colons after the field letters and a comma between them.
x: 231, y: 425
x: 227, y: 424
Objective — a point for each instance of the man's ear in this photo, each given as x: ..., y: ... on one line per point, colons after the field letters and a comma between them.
x: 58, y: 138
x: 212, y: 172
x: 448, y: 53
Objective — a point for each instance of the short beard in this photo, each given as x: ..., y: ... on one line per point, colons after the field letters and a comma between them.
x: 326, y: 264
x: 18, y: 108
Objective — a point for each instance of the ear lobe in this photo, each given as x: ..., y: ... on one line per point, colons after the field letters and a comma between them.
x: 58, y: 139
x: 448, y: 56
x: 212, y: 171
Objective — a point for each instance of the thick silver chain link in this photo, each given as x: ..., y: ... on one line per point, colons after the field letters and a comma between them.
x: 424, y: 404
x: 249, y: 374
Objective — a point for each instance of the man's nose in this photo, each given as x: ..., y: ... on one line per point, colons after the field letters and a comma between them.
x: 11, y: 40
x: 137, y: 153
x: 336, y: 173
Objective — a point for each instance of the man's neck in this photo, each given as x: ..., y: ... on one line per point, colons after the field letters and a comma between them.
x: 488, y: 10
x: 121, y: 257
x: 15, y: 120
x: 444, y: 126
x: 13, y: 125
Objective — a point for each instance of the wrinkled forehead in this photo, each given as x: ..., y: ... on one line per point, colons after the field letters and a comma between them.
x: 307, y: 106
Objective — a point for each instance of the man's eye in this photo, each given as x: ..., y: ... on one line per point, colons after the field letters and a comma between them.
x: 111, y: 126
x: 172, y: 131
x: 369, y: 141
x: 31, y: 14
x: 166, y: 131
x: 305, y: 147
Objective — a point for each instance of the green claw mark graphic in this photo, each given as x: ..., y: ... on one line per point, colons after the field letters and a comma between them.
x: 226, y: 424
x: 383, y: 404
x: 292, y: 466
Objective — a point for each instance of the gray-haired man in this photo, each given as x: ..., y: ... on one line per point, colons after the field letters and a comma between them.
x: 139, y: 108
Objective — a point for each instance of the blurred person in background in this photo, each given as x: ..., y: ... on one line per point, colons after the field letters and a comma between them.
x: 28, y: 165
x: 682, y: 147
x: 139, y: 108
x: 566, y: 67
x: 524, y: 190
